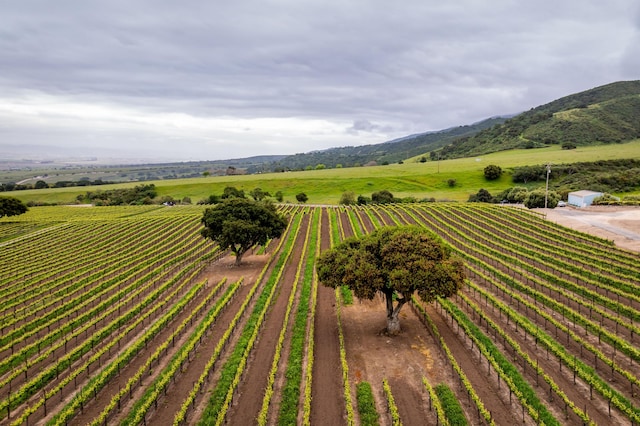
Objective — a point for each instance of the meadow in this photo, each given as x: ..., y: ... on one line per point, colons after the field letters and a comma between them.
x: 410, y: 179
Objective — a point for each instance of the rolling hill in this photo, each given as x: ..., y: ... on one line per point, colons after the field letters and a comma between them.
x: 603, y: 115
x: 383, y: 153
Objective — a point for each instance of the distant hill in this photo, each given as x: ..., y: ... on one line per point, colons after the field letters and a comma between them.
x: 386, y: 152
x: 605, y: 114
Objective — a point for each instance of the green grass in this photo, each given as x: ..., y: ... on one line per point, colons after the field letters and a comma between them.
x: 415, y: 179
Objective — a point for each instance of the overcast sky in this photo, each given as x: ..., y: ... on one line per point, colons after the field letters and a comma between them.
x: 219, y: 79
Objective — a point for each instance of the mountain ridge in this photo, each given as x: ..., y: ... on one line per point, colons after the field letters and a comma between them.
x: 604, y: 114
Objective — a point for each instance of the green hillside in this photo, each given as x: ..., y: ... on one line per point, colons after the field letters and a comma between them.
x: 387, y: 152
x: 411, y: 179
x: 603, y: 115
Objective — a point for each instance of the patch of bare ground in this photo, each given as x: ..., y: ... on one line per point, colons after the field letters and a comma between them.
x: 620, y: 224
x: 405, y: 359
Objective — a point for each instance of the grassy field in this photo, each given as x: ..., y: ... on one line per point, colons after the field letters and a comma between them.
x: 420, y: 180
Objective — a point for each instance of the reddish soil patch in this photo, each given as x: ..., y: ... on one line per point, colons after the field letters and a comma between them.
x: 373, y: 356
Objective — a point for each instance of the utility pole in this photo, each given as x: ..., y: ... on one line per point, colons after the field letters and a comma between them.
x: 546, y: 193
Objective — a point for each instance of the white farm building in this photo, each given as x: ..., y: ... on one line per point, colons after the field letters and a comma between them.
x: 583, y: 198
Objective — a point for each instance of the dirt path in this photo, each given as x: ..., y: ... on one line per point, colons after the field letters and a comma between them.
x: 327, y: 402
x: 250, y: 392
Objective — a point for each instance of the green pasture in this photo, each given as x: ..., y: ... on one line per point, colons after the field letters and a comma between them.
x: 413, y: 178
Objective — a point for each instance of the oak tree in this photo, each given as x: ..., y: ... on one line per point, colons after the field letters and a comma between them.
x: 10, y: 206
x: 396, y: 262
x: 239, y: 223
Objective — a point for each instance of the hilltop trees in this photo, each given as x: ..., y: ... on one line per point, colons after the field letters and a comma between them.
x: 10, y: 206
x: 394, y: 261
x: 238, y: 224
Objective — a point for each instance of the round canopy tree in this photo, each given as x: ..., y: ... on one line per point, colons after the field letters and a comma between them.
x: 394, y: 261
x: 492, y: 172
x: 239, y: 224
x: 10, y: 206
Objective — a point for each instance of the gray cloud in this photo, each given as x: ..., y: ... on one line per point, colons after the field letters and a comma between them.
x: 194, y: 75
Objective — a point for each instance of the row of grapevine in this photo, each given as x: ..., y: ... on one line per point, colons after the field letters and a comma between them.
x: 117, y: 297
x: 492, y: 261
x: 57, y: 342
x: 232, y: 370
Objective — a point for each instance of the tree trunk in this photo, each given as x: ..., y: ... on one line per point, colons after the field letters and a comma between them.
x: 239, y: 253
x: 393, y: 318
x: 393, y: 325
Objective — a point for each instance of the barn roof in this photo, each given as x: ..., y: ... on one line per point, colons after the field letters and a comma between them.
x: 584, y: 193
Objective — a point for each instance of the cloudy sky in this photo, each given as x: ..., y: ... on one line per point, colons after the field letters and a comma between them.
x: 218, y: 79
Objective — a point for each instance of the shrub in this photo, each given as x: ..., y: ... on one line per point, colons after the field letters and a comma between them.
x: 366, y: 404
x: 483, y: 196
x: 492, y: 172
x: 517, y: 194
x: 363, y: 201
x: 348, y: 198
x: 536, y: 199
x: 382, y: 197
x: 452, y: 409
x: 606, y: 200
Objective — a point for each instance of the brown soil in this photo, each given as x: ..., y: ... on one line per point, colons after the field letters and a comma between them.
x: 250, y: 393
x: 327, y: 402
x: 403, y: 360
